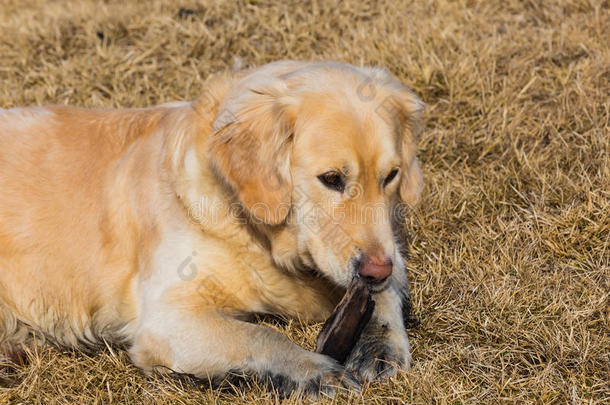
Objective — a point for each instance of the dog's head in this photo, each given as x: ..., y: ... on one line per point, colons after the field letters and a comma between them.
x: 326, y: 152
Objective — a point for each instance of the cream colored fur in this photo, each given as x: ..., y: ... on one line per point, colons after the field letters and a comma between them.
x: 163, y: 228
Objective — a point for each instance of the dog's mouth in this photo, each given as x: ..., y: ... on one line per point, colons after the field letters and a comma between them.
x: 375, y: 287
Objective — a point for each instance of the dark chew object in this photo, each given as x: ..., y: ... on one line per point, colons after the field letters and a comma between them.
x: 344, y: 326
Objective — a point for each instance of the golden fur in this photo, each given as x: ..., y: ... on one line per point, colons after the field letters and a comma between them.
x: 162, y: 228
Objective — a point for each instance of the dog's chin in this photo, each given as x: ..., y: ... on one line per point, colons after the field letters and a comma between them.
x: 342, y: 278
x: 376, y: 288
x: 344, y: 282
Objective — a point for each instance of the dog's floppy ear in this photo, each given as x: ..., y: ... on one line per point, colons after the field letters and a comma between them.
x: 406, y: 110
x: 412, y: 183
x: 412, y: 179
x: 250, y: 148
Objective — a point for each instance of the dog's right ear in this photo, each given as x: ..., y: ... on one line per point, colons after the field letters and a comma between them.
x: 250, y: 148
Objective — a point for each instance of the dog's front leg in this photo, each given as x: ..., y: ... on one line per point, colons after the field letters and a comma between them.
x: 383, y: 347
x: 210, y: 344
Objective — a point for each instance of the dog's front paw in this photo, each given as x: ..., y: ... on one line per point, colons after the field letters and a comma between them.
x: 313, y: 376
x: 380, y: 353
x: 330, y: 382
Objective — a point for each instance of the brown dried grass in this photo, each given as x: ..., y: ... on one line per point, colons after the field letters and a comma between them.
x: 510, y: 263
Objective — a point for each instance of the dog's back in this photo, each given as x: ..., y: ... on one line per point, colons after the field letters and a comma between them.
x: 58, y: 222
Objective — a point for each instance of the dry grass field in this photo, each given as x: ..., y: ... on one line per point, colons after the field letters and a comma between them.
x: 510, y: 250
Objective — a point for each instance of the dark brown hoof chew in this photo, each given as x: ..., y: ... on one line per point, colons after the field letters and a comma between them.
x: 344, y: 326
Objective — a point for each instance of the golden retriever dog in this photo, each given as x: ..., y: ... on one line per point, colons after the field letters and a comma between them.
x: 163, y: 229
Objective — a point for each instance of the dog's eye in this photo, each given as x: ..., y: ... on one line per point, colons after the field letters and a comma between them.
x: 333, y: 180
x: 390, y: 177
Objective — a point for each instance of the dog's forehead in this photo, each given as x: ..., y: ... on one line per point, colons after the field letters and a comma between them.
x: 338, y: 133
